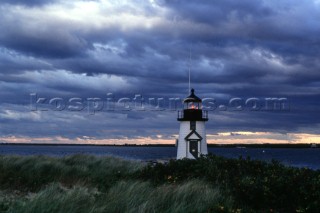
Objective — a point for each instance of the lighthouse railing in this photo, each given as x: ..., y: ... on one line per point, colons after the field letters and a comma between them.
x: 205, y: 114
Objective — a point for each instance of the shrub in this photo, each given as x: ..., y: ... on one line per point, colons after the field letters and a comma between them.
x: 255, y: 184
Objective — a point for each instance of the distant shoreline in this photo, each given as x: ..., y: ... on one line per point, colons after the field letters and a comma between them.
x: 172, y: 145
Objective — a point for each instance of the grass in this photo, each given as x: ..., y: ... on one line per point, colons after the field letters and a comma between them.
x: 33, y: 172
x: 83, y: 183
x: 125, y: 196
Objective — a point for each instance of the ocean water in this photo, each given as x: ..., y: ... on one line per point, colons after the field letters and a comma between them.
x: 298, y: 157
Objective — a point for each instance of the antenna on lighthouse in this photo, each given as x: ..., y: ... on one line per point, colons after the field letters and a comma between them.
x: 189, y: 70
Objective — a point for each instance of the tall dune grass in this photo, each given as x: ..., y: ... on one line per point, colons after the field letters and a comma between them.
x: 125, y: 196
x: 83, y: 183
x: 30, y: 173
x: 191, y: 196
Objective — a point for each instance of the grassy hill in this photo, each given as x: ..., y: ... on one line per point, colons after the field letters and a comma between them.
x: 83, y: 183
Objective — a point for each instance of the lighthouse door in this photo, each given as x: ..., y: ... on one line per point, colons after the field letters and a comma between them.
x: 193, y: 147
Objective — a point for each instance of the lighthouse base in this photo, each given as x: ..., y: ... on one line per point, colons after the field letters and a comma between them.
x: 192, y: 140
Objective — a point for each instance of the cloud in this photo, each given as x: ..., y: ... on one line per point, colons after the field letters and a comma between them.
x: 29, y: 3
x: 89, y: 48
x: 13, y: 62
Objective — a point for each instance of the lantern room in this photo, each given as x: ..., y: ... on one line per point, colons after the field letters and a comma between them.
x: 192, y: 109
x: 192, y: 101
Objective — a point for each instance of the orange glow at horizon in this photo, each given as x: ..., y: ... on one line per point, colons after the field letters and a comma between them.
x: 219, y: 138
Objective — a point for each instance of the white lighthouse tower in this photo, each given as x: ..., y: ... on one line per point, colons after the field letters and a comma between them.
x: 192, y: 140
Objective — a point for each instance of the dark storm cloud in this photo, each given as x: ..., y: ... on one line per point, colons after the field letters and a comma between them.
x: 12, y: 62
x: 30, y: 3
x: 46, y: 44
x: 263, y: 20
x: 238, y: 49
x: 218, y: 10
x: 39, y: 35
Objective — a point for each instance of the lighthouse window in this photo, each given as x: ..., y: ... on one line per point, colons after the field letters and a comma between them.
x: 192, y: 125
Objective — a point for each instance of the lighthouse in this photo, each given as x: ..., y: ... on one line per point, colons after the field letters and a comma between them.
x: 192, y: 140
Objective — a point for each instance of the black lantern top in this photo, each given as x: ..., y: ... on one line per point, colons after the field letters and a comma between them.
x: 192, y: 98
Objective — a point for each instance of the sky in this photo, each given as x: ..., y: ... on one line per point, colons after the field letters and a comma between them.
x: 62, y: 61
